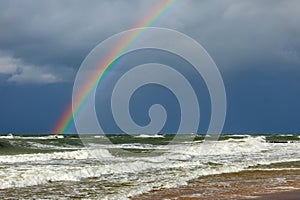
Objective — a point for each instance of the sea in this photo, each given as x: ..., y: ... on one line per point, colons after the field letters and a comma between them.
x: 120, y: 166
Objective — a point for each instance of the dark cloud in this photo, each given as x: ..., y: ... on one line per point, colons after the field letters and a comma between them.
x: 44, y: 42
x: 59, y: 33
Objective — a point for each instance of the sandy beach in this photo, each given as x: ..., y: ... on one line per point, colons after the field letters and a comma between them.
x: 289, y: 195
x: 257, y: 184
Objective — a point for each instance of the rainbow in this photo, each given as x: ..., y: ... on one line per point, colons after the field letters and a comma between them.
x: 106, y: 66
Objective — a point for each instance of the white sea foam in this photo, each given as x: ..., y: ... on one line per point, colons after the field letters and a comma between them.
x: 149, y: 136
x: 37, y: 145
x: 70, y: 155
x: 9, y: 136
x: 231, y: 146
x: 48, y: 137
x: 180, y: 163
x: 285, y: 135
x: 99, y: 136
x: 22, y: 176
x: 276, y: 169
x: 239, y: 135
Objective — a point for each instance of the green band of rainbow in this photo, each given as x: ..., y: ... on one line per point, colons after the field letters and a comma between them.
x: 104, y: 68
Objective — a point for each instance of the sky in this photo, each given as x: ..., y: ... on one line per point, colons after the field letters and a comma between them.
x: 254, y: 43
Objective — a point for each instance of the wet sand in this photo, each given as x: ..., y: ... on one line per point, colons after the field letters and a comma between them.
x: 289, y: 195
x: 253, y: 184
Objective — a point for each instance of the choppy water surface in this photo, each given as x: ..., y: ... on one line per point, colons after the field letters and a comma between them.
x: 62, y: 167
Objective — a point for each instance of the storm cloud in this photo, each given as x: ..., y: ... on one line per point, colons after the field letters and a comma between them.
x: 60, y: 34
x: 255, y: 44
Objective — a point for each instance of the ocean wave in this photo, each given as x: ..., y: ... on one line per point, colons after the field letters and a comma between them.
x: 69, y: 155
x: 163, y: 174
x: 43, y: 146
x: 149, y: 136
x: 9, y: 136
x: 48, y: 137
x: 49, y: 173
x: 230, y: 146
x: 285, y: 135
x: 237, y: 135
x: 99, y: 136
x: 179, y: 164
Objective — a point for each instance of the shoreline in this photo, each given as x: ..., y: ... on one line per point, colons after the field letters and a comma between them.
x: 260, y: 184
